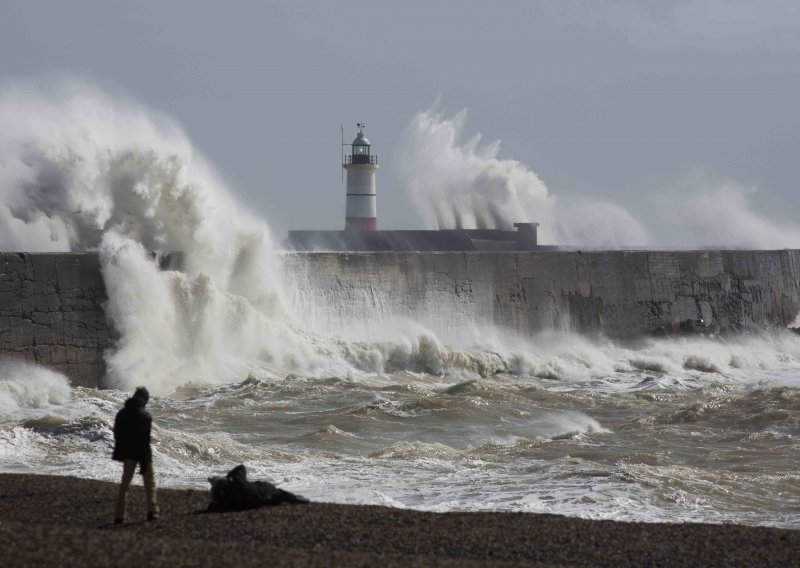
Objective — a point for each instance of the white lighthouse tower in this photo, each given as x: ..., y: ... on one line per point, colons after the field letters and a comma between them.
x: 361, y: 211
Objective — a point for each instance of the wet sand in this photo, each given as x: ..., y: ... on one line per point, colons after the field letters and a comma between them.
x: 65, y: 521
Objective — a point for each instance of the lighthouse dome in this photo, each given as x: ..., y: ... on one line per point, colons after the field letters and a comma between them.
x: 361, y: 140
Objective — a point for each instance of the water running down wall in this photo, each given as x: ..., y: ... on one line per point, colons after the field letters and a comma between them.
x: 52, y: 305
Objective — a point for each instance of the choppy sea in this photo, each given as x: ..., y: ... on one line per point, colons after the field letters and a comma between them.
x: 674, y: 429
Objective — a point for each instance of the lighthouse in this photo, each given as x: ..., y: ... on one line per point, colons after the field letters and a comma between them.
x: 361, y: 209
x: 361, y: 220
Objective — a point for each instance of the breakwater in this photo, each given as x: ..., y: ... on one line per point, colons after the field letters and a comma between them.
x: 52, y: 305
x: 621, y: 294
x: 51, y: 312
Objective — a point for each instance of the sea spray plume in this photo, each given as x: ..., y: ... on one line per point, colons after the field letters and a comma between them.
x: 66, y: 160
x: 588, y: 222
x: 79, y: 163
x: 82, y: 171
x: 464, y: 185
x: 178, y: 327
x: 141, y: 306
x: 724, y: 214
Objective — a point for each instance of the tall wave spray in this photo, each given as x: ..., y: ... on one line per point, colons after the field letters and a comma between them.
x: 81, y: 172
x: 459, y: 183
x: 463, y: 184
x: 466, y: 185
x: 713, y: 212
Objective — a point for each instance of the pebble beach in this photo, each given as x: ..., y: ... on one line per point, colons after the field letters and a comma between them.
x: 66, y: 521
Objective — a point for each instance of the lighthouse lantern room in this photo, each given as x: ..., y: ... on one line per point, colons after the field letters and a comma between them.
x: 361, y: 208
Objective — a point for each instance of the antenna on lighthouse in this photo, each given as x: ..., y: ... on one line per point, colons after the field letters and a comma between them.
x: 341, y: 126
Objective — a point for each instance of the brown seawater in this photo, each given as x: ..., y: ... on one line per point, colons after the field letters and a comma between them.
x: 590, y: 429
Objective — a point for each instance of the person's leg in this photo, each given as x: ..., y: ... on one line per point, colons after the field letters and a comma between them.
x: 150, y: 491
x: 128, y: 469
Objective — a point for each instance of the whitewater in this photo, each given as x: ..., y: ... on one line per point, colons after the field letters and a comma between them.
x: 407, y: 413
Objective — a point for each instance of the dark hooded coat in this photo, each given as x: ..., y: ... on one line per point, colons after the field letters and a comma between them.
x: 235, y: 493
x: 132, y: 433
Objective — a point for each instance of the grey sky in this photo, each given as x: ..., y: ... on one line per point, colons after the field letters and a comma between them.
x: 614, y: 99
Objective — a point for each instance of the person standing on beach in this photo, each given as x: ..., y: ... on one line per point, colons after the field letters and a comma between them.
x: 132, y: 446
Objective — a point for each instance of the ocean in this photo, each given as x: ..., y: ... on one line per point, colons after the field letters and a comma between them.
x: 671, y: 430
x: 361, y: 407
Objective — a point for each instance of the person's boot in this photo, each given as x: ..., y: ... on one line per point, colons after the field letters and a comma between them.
x: 118, y: 521
x: 152, y: 516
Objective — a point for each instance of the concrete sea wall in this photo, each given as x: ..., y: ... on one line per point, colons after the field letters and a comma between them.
x: 51, y: 312
x: 618, y: 293
x: 51, y: 305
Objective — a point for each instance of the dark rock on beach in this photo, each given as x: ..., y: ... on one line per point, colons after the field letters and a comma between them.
x: 64, y: 521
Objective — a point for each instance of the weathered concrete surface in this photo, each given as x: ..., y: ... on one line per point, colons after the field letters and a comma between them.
x: 51, y: 312
x: 618, y: 293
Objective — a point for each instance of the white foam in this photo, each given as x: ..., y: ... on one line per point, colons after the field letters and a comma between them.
x: 29, y: 390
